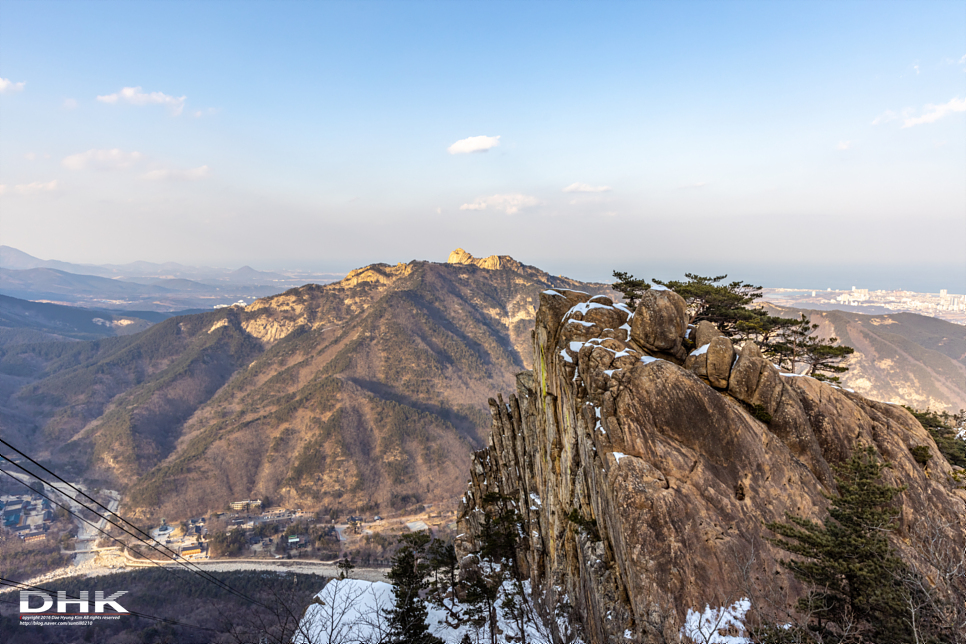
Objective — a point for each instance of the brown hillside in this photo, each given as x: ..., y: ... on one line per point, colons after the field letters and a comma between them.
x: 363, y: 393
x: 902, y: 358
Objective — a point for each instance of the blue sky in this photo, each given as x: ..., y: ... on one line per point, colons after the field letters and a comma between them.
x: 811, y: 144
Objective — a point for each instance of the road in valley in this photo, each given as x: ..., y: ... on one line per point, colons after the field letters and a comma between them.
x: 87, y: 534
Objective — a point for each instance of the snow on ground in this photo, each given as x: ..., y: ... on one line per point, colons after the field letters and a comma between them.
x: 351, y: 610
x: 707, y: 626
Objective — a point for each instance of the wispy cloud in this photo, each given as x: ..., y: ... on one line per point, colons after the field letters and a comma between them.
x: 6, y: 85
x: 70, y: 104
x: 193, y: 174
x: 932, y: 113
x: 474, y: 144
x: 101, y: 160
x: 31, y: 188
x: 211, y: 111
x: 844, y: 145
x: 885, y: 117
x: 586, y: 187
x: 510, y: 204
x: 135, y: 96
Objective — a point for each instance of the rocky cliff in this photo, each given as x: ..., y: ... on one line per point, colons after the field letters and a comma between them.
x: 645, y: 457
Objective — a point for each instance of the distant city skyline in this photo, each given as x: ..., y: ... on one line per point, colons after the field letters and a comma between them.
x: 790, y: 144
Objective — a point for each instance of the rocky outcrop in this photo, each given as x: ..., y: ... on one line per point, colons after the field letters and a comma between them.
x: 491, y: 263
x: 645, y: 475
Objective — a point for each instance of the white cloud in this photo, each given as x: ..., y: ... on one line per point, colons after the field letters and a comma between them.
x: 585, y: 187
x: 933, y: 113
x: 135, y: 96
x: 176, y: 175
x: 101, y: 160
x: 843, y: 145
x: 916, y: 67
x: 32, y: 188
x: 510, y: 204
x: 70, y: 104
x: 7, y: 86
x: 474, y: 144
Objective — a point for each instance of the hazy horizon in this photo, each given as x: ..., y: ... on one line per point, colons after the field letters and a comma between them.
x: 791, y: 144
x: 836, y: 278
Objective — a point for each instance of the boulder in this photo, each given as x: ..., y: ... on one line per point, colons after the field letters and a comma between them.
x: 704, y: 332
x: 660, y: 322
x: 697, y: 361
x: 720, y: 357
x: 606, y: 317
x: 746, y: 371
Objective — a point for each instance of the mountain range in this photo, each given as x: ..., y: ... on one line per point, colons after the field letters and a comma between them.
x: 360, y: 394
x: 148, y: 286
x: 369, y: 392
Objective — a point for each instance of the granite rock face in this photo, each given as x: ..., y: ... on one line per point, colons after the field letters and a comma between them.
x: 645, y: 483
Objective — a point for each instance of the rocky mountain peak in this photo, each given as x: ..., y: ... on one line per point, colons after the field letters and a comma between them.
x: 492, y: 263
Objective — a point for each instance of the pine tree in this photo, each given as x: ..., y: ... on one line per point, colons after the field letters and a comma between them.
x: 407, y: 617
x: 630, y: 287
x: 442, y: 561
x: 847, y: 560
x: 345, y: 567
x: 727, y: 305
x: 797, y: 343
x: 497, y: 564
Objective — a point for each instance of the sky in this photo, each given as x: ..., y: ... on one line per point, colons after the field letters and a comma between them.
x: 811, y: 144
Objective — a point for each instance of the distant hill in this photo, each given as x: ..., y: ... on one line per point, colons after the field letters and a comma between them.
x: 50, y: 283
x: 151, y: 293
x: 23, y: 321
x: 14, y: 259
x: 370, y: 392
x: 163, y: 287
x: 903, y: 358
